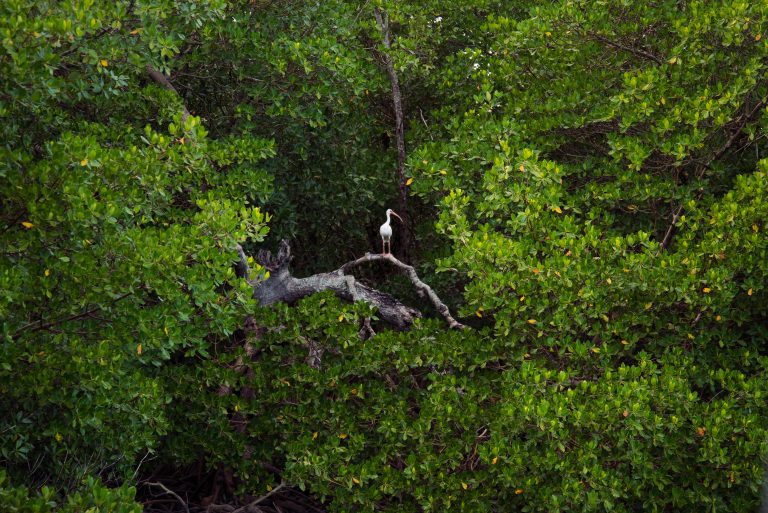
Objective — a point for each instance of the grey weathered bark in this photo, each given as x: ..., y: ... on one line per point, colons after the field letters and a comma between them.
x: 422, y: 288
x: 281, y: 286
x: 397, y: 104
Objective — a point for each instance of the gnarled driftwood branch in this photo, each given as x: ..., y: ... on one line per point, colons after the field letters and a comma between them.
x: 281, y: 286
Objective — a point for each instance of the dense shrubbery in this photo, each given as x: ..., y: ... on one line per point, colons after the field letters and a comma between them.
x: 595, y: 176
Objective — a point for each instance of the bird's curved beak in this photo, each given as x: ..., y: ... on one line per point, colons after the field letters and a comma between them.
x: 397, y: 216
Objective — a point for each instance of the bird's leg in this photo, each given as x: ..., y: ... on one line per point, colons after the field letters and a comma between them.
x: 382, y: 246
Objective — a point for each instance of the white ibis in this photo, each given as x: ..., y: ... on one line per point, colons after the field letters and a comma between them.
x: 386, y: 232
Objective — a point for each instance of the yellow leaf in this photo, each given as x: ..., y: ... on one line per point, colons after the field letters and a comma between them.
x: 464, y: 485
x: 353, y: 391
x: 443, y: 172
x: 758, y: 37
x: 624, y: 342
x: 342, y: 435
x: 314, y: 435
x: 409, y: 181
x: 701, y: 431
x: 237, y: 408
x: 269, y: 488
x: 548, y: 34
x: 165, y: 329
x: 27, y: 224
x: 355, y: 480
x: 494, y: 460
x: 479, y: 313
x: 518, y: 491
x: 755, y: 228
x: 47, y: 272
x: 531, y: 321
x: 536, y: 271
x: 663, y: 101
x: 608, y: 281
x: 138, y: 350
x: 749, y: 292
x: 181, y: 141
x: 673, y: 60
x: 84, y: 162
x: 341, y: 317
x: 690, y: 336
x: 718, y: 318
x: 424, y: 162
x: 557, y: 209
x: 134, y: 32
x: 522, y: 168
x: 522, y: 298
x: 36, y: 34
x: 104, y: 62
x: 58, y: 437
x: 706, y: 290
x: 595, y: 350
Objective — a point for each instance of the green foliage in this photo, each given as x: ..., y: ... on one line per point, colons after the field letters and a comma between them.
x: 119, y: 223
x: 430, y: 420
x: 595, y: 174
x: 94, y: 498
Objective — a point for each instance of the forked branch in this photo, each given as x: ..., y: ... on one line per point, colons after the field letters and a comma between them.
x: 282, y: 286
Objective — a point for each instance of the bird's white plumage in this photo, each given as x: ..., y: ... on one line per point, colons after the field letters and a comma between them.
x: 386, y: 230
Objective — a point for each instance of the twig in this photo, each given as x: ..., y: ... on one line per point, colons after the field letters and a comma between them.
x: 260, y: 499
x: 44, y: 326
x: 411, y: 273
x: 636, y: 51
x: 671, y: 229
x: 170, y: 492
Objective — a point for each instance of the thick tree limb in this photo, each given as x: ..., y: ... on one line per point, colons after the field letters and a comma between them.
x: 162, y: 80
x: 281, y: 286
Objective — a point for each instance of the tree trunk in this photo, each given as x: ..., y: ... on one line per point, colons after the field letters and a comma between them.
x: 397, y: 105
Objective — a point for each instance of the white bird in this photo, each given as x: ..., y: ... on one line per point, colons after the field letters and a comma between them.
x: 386, y: 232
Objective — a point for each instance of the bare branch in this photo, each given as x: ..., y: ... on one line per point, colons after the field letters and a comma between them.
x: 281, y: 286
x: 243, y: 270
x: 411, y: 273
x: 671, y: 229
x: 162, y: 80
x: 636, y: 51
x: 169, y: 492
x: 261, y: 499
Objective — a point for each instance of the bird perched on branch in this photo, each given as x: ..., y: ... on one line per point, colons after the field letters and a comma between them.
x: 386, y: 232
